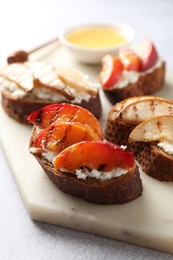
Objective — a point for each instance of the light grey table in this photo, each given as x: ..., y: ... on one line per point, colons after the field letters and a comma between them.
x: 26, y: 24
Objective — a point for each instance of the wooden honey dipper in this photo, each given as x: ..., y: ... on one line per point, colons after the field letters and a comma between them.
x: 22, y: 56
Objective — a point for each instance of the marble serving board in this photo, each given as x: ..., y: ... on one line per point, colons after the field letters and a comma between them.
x: 146, y: 221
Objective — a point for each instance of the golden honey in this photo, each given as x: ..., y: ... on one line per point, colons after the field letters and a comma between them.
x: 96, y: 37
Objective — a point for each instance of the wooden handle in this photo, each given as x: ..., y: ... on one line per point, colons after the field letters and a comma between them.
x: 22, y: 56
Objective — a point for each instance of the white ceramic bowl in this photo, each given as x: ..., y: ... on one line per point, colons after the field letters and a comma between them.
x: 94, y: 55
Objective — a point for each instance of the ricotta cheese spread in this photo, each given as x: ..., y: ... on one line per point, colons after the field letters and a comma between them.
x: 50, y: 156
x: 84, y: 173
x: 167, y: 146
x: 133, y: 76
x: 43, y: 93
x: 33, y: 149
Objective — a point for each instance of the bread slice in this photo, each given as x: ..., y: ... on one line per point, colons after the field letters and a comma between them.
x: 117, y: 132
x: 20, y: 108
x: 31, y: 85
x: 117, y: 190
x: 153, y: 160
x: 147, y: 84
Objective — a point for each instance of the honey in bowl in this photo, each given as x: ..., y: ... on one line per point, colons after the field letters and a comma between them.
x: 89, y: 43
x: 96, y: 37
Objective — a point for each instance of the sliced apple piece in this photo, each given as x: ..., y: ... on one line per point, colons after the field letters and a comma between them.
x: 57, y: 137
x: 65, y: 113
x: 148, y: 54
x: 102, y: 156
x: 112, y: 69
x: 20, y: 74
x: 142, y: 109
x: 130, y: 59
x: 154, y: 129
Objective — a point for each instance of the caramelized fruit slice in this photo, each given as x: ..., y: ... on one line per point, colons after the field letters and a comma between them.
x: 20, y: 74
x: 57, y: 137
x: 143, y: 109
x: 65, y: 113
x: 154, y: 129
x: 102, y: 156
x: 130, y: 59
x: 112, y: 69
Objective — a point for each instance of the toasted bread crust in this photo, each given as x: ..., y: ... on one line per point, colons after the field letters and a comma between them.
x: 117, y: 132
x: 115, y: 191
x: 154, y: 161
x: 20, y: 108
x: 146, y: 85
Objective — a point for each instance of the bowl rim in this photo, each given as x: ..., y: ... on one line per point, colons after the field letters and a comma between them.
x: 119, y: 25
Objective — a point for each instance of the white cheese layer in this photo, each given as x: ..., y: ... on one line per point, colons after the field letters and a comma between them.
x: 167, y: 146
x: 42, y: 93
x: 84, y: 173
x: 129, y: 77
x: 50, y: 156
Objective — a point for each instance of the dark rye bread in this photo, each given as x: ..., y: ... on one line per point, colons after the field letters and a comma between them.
x: 21, y: 107
x: 154, y: 161
x: 117, y: 190
x: 146, y: 85
x: 117, y: 132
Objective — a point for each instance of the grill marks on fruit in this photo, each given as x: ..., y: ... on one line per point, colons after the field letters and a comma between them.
x: 30, y: 75
x: 170, y: 109
x: 65, y: 136
x: 144, y: 109
x: 51, y: 119
x: 152, y: 106
x: 135, y: 110
x: 51, y: 142
x: 59, y: 136
x: 159, y: 126
x: 102, y: 167
x: 55, y: 115
x: 45, y: 75
x: 48, y: 136
x: 39, y: 116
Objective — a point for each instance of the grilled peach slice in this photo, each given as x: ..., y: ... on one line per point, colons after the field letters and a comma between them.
x: 102, y: 156
x: 154, y: 129
x: 65, y: 113
x: 142, y: 109
x: 57, y: 137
